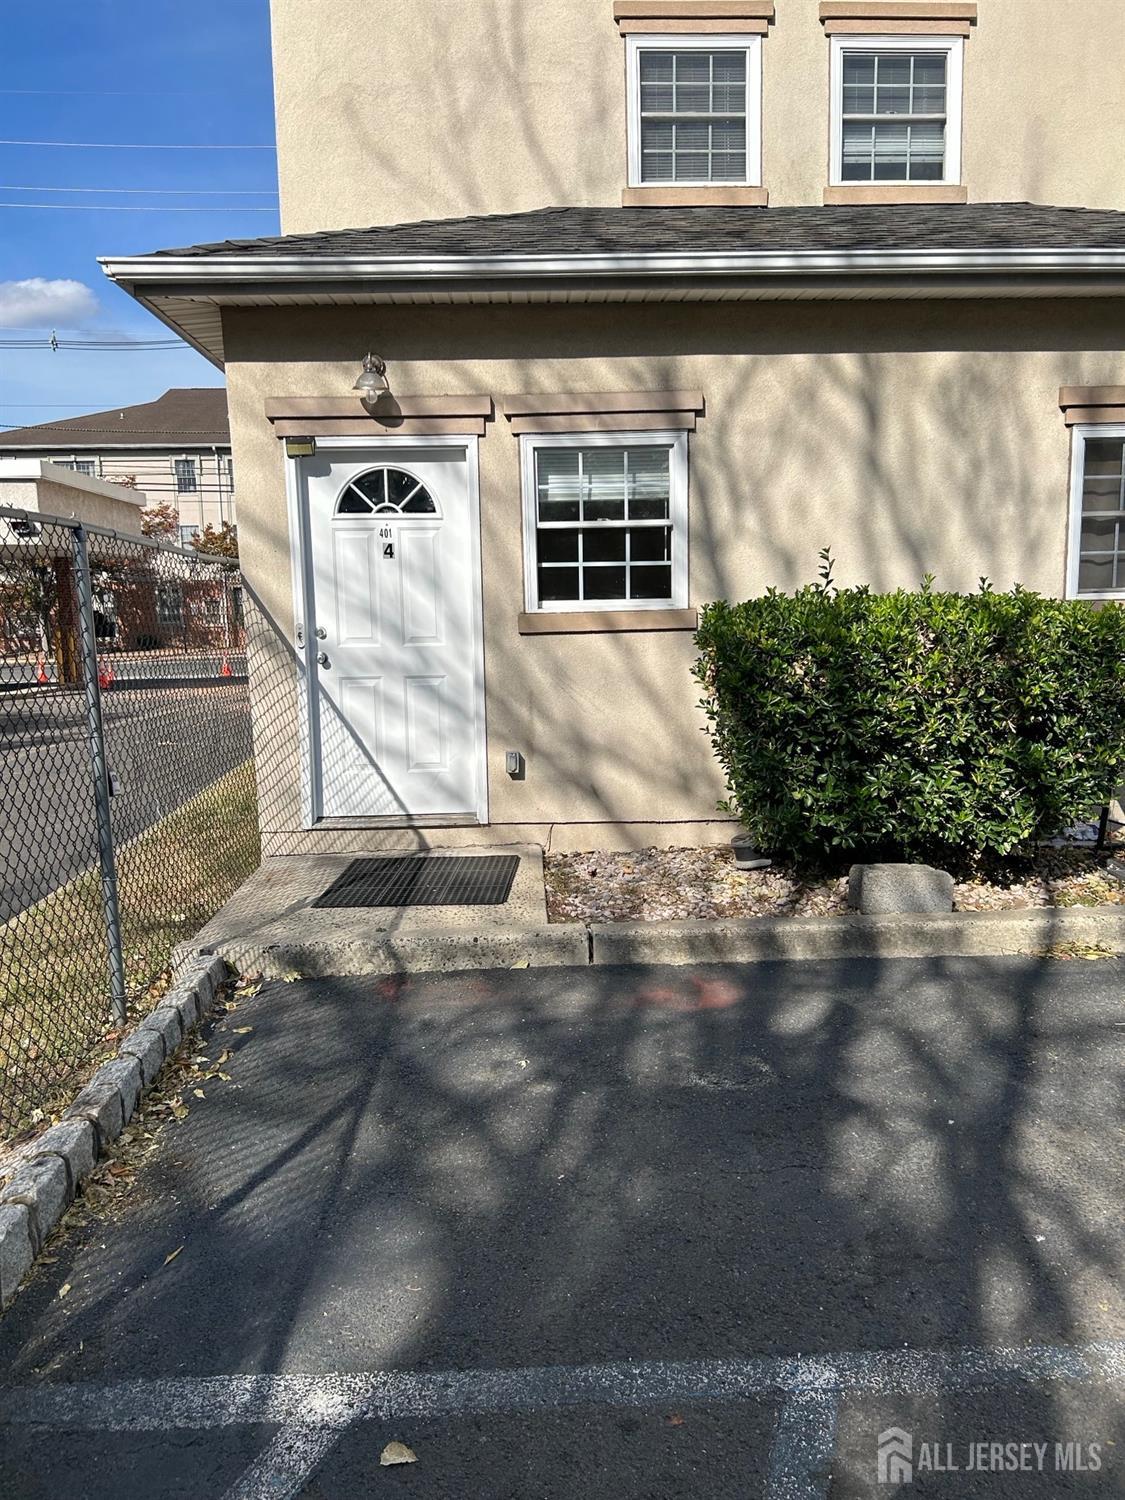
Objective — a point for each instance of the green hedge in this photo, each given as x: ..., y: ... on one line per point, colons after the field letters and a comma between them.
x: 923, y: 725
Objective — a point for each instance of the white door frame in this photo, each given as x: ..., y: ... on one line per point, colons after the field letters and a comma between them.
x: 300, y: 547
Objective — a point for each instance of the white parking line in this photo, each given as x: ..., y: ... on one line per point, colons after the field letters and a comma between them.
x: 286, y: 1466
x: 312, y: 1410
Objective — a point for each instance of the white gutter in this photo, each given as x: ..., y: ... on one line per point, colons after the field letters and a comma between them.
x: 261, y: 269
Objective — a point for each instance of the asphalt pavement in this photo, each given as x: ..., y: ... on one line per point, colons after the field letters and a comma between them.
x: 609, y: 1233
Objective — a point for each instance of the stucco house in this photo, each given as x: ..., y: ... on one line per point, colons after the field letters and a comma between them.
x: 175, y: 448
x: 671, y: 294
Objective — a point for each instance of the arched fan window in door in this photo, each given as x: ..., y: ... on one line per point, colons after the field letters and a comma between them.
x: 385, y: 492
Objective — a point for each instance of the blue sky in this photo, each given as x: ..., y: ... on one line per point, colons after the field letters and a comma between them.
x: 160, y: 72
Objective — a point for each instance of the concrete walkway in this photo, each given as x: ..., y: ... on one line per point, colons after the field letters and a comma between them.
x: 617, y: 1233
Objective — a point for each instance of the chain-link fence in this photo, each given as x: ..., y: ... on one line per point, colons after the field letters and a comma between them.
x: 127, y: 797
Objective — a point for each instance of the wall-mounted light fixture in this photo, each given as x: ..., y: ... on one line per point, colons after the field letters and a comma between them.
x: 300, y: 447
x: 373, y: 380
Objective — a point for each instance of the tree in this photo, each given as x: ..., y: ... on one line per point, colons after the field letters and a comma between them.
x: 160, y: 521
x: 217, y: 542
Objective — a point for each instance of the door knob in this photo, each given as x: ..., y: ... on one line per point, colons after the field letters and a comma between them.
x: 322, y: 659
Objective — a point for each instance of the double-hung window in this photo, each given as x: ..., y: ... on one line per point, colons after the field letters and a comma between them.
x: 605, y: 521
x: 695, y: 111
x: 187, y: 481
x: 1097, y: 519
x: 896, y: 110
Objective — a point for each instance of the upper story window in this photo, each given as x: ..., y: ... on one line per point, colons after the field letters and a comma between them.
x: 896, y: 109
x: 187, y: 481
x: 605, y: 521
x: 1097, y: 521
x: 87, y: 466
x: 694, y: 110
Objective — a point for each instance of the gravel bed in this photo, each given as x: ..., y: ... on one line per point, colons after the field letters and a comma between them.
x: 660, y: 885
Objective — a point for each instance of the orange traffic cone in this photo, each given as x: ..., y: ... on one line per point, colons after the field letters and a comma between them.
x: 105, y: 675
x: 224, y: 670
x: 41, y: 672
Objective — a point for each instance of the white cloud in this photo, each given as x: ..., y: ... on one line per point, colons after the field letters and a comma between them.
x: 39, y: 303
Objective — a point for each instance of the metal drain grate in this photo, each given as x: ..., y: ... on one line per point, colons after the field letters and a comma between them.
x: 423, y: 880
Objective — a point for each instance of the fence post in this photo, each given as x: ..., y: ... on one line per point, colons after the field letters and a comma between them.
x: 96, y: 734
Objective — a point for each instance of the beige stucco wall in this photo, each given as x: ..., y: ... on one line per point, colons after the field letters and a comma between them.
x: 413, y: 109
x: 910, y: 437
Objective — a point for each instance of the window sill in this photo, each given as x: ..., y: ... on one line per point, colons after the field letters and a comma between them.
x: 693, y: 197
x: 585, y: 622
x: 896, y: 192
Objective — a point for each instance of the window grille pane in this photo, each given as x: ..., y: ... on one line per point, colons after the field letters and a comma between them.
x: 604, y: 583
x: 650, y: 544
x: 603, y: 546
x: 1096, y: 575
x: 558, y: 546
x: 859, y: 68
x: 604, y: 476
x: 693, y: 67
x: 650, y: 583
x: 657, y: 67
x: 649, y: 483
x: 692, y: 166
x: 1099, y: 535
x: 558, y: 585
x: 559, y: 484
x: 1102, y: 492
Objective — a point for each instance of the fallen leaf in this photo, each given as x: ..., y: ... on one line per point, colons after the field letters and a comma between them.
x: 521, y: 963
x: 225, y: 1077
x: 64, y: 1289
x: 397, y: 1453
x: 242, y: 1030
x: 199, y: 1094
x: 168, y: 1259
x: 674, y: 1419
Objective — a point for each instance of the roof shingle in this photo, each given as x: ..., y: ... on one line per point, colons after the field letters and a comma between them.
x: 190, y: 416
x: 562, y: 231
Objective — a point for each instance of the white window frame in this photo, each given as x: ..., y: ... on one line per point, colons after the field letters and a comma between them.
x: 954, y: 48
x: 677, y: 443
x: 697, y: 42
x: 1080, y: 436
x: 187, y: 458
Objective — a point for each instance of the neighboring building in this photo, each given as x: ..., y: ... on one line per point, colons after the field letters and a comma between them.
x: 34, y: 485
x: 672, y: 294
x: 176, y: 449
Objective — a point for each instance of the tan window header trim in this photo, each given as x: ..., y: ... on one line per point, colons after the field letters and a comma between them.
x: 608, y: 421
x: 898, y: 28
x: 689, y: 10
x: 365, y: 426
x: 1093, y: 404
x: 898, y: 10
x: 583, y: 622
x: 390, y: 407
x: 687, y: 26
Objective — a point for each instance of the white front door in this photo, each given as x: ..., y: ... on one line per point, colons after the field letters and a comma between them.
x: 394, y: 628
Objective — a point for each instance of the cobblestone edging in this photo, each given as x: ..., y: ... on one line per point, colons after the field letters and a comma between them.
x: 53, y: 1165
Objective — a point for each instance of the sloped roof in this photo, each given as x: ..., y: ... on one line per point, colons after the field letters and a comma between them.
x: 188, y: 417
x: 711, y: 230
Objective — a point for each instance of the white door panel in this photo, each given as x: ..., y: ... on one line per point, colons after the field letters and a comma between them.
x: 392, y: 608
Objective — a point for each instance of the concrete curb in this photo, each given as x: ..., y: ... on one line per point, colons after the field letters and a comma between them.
x: 751, y: 940
x: 53, y: 1166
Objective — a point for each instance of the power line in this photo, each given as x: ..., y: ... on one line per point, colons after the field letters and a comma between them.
x: 16, y: 187
x: 134, y: 146
x: 152, y: 208
x: 100, y: 344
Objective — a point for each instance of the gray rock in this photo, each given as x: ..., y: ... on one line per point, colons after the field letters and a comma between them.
x: 74, y: 1143
x: 123, y: 1074
x: 168, y: 1025
x: 100, y: 1103
x: 16, y: 1252
x: 186, y: 1000
x: 882, y: 890
x: 147, y: 1046
x: 43, y: 1187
